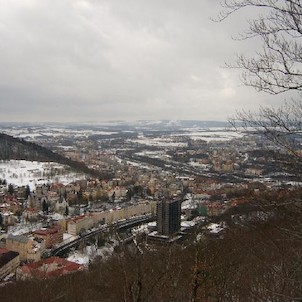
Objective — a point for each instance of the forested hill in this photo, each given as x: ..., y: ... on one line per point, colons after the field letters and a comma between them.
x: 14, y: 148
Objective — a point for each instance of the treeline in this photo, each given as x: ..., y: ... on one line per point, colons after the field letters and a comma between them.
x: 119, y: 135
x: 257, y: 261
x: 272, y: 160
x: 19, y: 149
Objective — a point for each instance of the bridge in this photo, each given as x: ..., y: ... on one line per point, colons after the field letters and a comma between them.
x: 118, y: 226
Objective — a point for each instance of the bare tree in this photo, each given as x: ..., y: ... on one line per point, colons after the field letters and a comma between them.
x: 281, y: 125
x: 275, y: 69
x: 278, y: 66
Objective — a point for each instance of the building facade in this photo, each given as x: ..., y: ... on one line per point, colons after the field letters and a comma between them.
x: 168, y: 217
x: 79, y: 224
x: 51, y: 236
x: 47, y: 268
x: 20, y: 244
x: 30, y: 250
x: 9, y: 261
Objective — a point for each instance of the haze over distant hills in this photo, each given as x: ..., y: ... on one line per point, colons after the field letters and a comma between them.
x: 161, y: 124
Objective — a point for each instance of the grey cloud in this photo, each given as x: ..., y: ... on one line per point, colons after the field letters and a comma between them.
x: 97, y: 60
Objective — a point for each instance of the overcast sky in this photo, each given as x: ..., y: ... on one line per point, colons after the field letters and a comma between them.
x: 97, y: 60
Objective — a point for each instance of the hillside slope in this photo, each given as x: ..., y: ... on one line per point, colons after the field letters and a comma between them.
x: 19, y: 149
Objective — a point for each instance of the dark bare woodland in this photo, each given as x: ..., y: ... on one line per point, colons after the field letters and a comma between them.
x: 258, y: 259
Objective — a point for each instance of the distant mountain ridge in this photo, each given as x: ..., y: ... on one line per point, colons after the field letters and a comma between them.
x: 162, y: 124
x: 19, y: 149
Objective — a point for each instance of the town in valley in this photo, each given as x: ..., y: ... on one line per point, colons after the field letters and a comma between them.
x: 158, y: 182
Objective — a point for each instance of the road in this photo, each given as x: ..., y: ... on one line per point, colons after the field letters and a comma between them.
x: 119, y: 225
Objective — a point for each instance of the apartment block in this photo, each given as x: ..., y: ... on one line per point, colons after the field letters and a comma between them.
x: 168, y: 217
x: 9, y: 261
x: 51, y: 236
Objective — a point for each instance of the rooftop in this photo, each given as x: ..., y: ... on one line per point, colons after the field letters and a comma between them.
x: 6, y: 256
x: 51, y: 267
x: 46, y: 231
x: 19, y: 238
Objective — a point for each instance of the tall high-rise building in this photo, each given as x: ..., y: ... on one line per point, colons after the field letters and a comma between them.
x: 168, y: 217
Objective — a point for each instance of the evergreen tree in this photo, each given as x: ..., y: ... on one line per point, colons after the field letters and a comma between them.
x: 129, y: 194
x: 80, y: 195
x: 45, y: 207
x: 113, y: 197
x: 67, y: 211
x: 27, y: 192
x: 11, y: 189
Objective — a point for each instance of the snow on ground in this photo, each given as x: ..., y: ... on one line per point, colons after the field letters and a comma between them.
x: 23, y: 228
x: 187, y: 224
x: 204, y: 167
x: 29, y: 135
x: 56, y: 216
x: 188, y: 203
x: 152, y: 154
x: 152, y: 224
x: 132, y: 163
x: 214, y: 228
x: 33, y: 133
x: 89, y: 253
x: 202, y: 134
x: 79, y: 258
x: 160, y: 142
x: 213, y: 135
x: 143, y: 228
x: 67, y: 237
x: 33, y: 173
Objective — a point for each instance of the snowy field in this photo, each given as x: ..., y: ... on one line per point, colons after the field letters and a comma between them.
x: 158, y: 141
x: 153, y: 154
x: 33, y: 133
x: 33, y: 173
x: 209, y: 136
x: 135, y: 164
x: 194, y: 134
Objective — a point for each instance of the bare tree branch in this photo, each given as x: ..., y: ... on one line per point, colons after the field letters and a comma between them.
x: 278, y: 67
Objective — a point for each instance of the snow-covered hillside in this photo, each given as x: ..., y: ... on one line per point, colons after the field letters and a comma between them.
x: 33, y: 173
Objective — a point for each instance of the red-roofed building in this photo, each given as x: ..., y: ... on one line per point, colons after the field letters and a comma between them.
x: 30, y: 214
x: 79, y: 224
x: 10, y: 203
x: 51, y: 236
x: 48, y: 268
